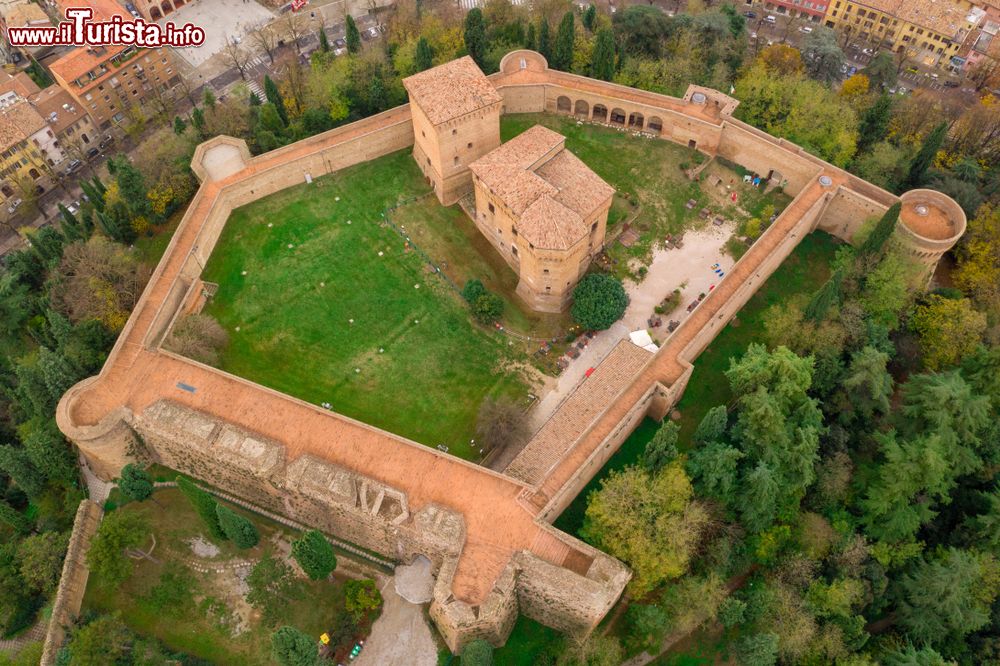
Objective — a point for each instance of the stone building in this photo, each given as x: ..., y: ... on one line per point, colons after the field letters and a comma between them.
x: 456, y: 120
x: 544, y: 211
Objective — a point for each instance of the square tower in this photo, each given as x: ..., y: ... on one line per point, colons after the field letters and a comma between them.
x: 456, y: 120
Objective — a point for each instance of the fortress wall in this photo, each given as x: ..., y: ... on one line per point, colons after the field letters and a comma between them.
x: 459, y: 623
x: 523, y: 99
x: 762, y: 153
x: 847, y: 213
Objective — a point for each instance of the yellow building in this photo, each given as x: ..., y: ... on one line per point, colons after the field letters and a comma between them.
x: 25, y: 140
x: 927, y: 31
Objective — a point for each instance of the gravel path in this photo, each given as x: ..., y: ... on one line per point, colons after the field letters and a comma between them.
x: 401, y: 636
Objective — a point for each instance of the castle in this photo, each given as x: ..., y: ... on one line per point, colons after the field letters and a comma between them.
x: 488, y: 535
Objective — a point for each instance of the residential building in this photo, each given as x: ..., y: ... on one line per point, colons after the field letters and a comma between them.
x: 930, y: 32
x: 983, y: 43
x: 74, y: 130
x: 154, y: 10
x: 29, y: 152
x: 812, y: 10
x: 112, y: 82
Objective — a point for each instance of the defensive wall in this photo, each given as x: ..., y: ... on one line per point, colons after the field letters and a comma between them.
x: 487, y: 534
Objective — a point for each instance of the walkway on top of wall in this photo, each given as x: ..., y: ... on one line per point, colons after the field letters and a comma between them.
x: 496, y: 520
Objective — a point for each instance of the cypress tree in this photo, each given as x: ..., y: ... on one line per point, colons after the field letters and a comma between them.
x: 242, y: 532
x: 826, y: 297
x: 424, y: 58
x: 882, y: 232
x: 274, y: 97
x: 924, y: 158
x: 204, y: 505
x: 47, y: 449
x: 544, y: 42
x: 14, y: 518
x: 529, y: 38
x: 18, y: 466
x: 198, y: 120
x: 475, y: 35
x: 179, y: 125
x: 71, y: 228
x: 590, y: 17
x: 563, y: 56
x: 314, y: 554
x: 324, y: 41
x: 874, y: 123
x: 602, y: 64
x: 353, y: 37
x: 135, y: 482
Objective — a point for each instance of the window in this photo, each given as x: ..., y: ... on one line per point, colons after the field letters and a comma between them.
x: 513, y: 230
x: 454, y: 132
x: 456, y: 160
x: 422, y: 134
x: 492, y: 209
x: 593, y: 227
x: 513, y: 248
x: 548, y: 289
x: 469, y: 145
x: 546, y: 271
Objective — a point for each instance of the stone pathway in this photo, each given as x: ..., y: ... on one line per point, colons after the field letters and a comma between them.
x: 401, y: 635
x: 98, y: 489
x: 12, y: 646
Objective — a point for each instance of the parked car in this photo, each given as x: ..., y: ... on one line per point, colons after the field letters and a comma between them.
x: 132, y: 10
x: 14, y: 203
x: 770, y: 19
x: 951, y: 84
x: 868, y: 52
x: 73, y: 167
x: 106, y: 141
x: 750, y: 15
x: 92, y: 153
x: 806, y: 29
x: 73, y: 207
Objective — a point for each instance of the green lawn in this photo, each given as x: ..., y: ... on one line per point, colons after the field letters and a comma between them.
x: 204, y: 624
x: 411, y: 362
x: 649, y: 178
x: 801, y: 273
x: 528, y: 641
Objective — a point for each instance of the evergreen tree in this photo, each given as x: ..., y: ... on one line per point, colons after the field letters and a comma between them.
x: 589, y: 17
x: 198, y: 120
x: 56, y: 371
x: 712, y: 426
x: 877, y: 239
x: 662, y: 449
x: 874, y: 123
x: 291, y: 647
x: 274, y: 97
x: 204, y: 505
x: 324, y: 41
x: 562, y: 58
x: 923, y: 160
x: 602, y: 63
x: 424, y: 57
x: 208, y: 99
x: 47, y: 449
x: 529, y: 38
x: 477, y: 653
x: 761, y: 498
x: 314, y: 554
x: 237, y: 528
x: 96, y: 199
x: 353, y: 37
x: 544, y: 41
x: 11, y: 516
x: 714, y: 468
x: 475, y: 35
x: 826, y: 297
x: 72, y: 230
x: 378, y: 96
x: 135, y: 482
x: 868, y: 384
x: 18, y: 466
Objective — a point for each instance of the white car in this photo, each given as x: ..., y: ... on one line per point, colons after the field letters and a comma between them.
x: 770, y: 19
x: 806, y: 29
x: 868, y: 52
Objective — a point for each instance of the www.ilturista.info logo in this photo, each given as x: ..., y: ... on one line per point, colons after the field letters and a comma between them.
x: 79, y: 30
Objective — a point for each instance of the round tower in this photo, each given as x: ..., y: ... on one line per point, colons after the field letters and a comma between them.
x: 930, y: 223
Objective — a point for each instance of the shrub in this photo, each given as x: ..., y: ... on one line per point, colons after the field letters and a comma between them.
x: 237, y: 527
x: 135, y: 482
x: 106, y: 557
x: 477, y: 653
x: 314, y: 554
x: 361, y: 597
x: 472, y: 290
x: 291, y: 647
x: 487, y: 308
x: 598, y: 301
x: 199, y: 337
x: 203, y: 505
x: 732, y: 612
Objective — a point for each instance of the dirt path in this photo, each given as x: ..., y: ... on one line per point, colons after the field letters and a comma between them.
x: 401, y: 636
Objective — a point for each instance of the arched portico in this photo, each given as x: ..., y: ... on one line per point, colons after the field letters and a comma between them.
x: 617, y: 117
x: 563, y: 104
x: 600, y: 113
x: 635, y: 120
x: 581, y: 108
x: 654, y: 125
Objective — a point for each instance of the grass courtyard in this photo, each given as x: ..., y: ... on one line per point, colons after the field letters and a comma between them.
x: 326, y: 303
x: 200, y: 614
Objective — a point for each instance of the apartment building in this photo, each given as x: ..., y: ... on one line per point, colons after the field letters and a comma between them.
x: 29, y: 152
x: 930, y: 32
x: 812, y: 10
x: 112, y: 82
x: 74, y: 130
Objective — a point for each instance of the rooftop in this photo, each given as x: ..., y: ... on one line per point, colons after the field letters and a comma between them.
x: 451, y: 90
x: 946, y: 17
x: 81, y: 60
x: 544, y: 185
x: 27, y: 13
x: 17, y: 123
x: 20, y: 83
x: 55, y: 100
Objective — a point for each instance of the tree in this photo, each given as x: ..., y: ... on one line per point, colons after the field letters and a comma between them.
x: 826, y: 297
x: 106, y: 558
x: 198, y: 121
x: 949, y: 329
x: 984, y: 528
x: 662, y: 448
x: 822, y: 55
x: 979, y: 256
x: 500, y: 422
x: 104, y: 640
x: 14, y: 518
x: 291, y: 647
x: 41, y: 557
x: 949, y: 596
x: 270, y: 584
x: 475, y: 35
x: 714, y: 467
x: 562, y: 57
x: 647, y: 520
x: 135, y: 482
x: 274, y: 97
x: 712, y: 425
x: 544, y: 41
x: 642, y: 30
x: 599, y: 301
x: 875, y: 123
x: 238, y: 528
x: 324, y: 41
x: 647, y: 625
x: 924, y: 158
x: 424, y: 58
x: 237, y: 57
x: 352, y: 36
x: 529, y: 38
x: 782, y: 59
x: 361, y: 597
x: 732, y: 612
x: 18, y: 466
x: 477, y: 653
x: 884, y: 228
x: 204, y: 505
x: 602, y: 64
x: 881, y: 71
x: 757, y: 650
x: 315, y: 555
x: 868, y: 385
x: 199, y: 337
x: 590, y: 17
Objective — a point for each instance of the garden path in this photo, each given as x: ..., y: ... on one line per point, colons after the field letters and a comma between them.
x: 400, y: 636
